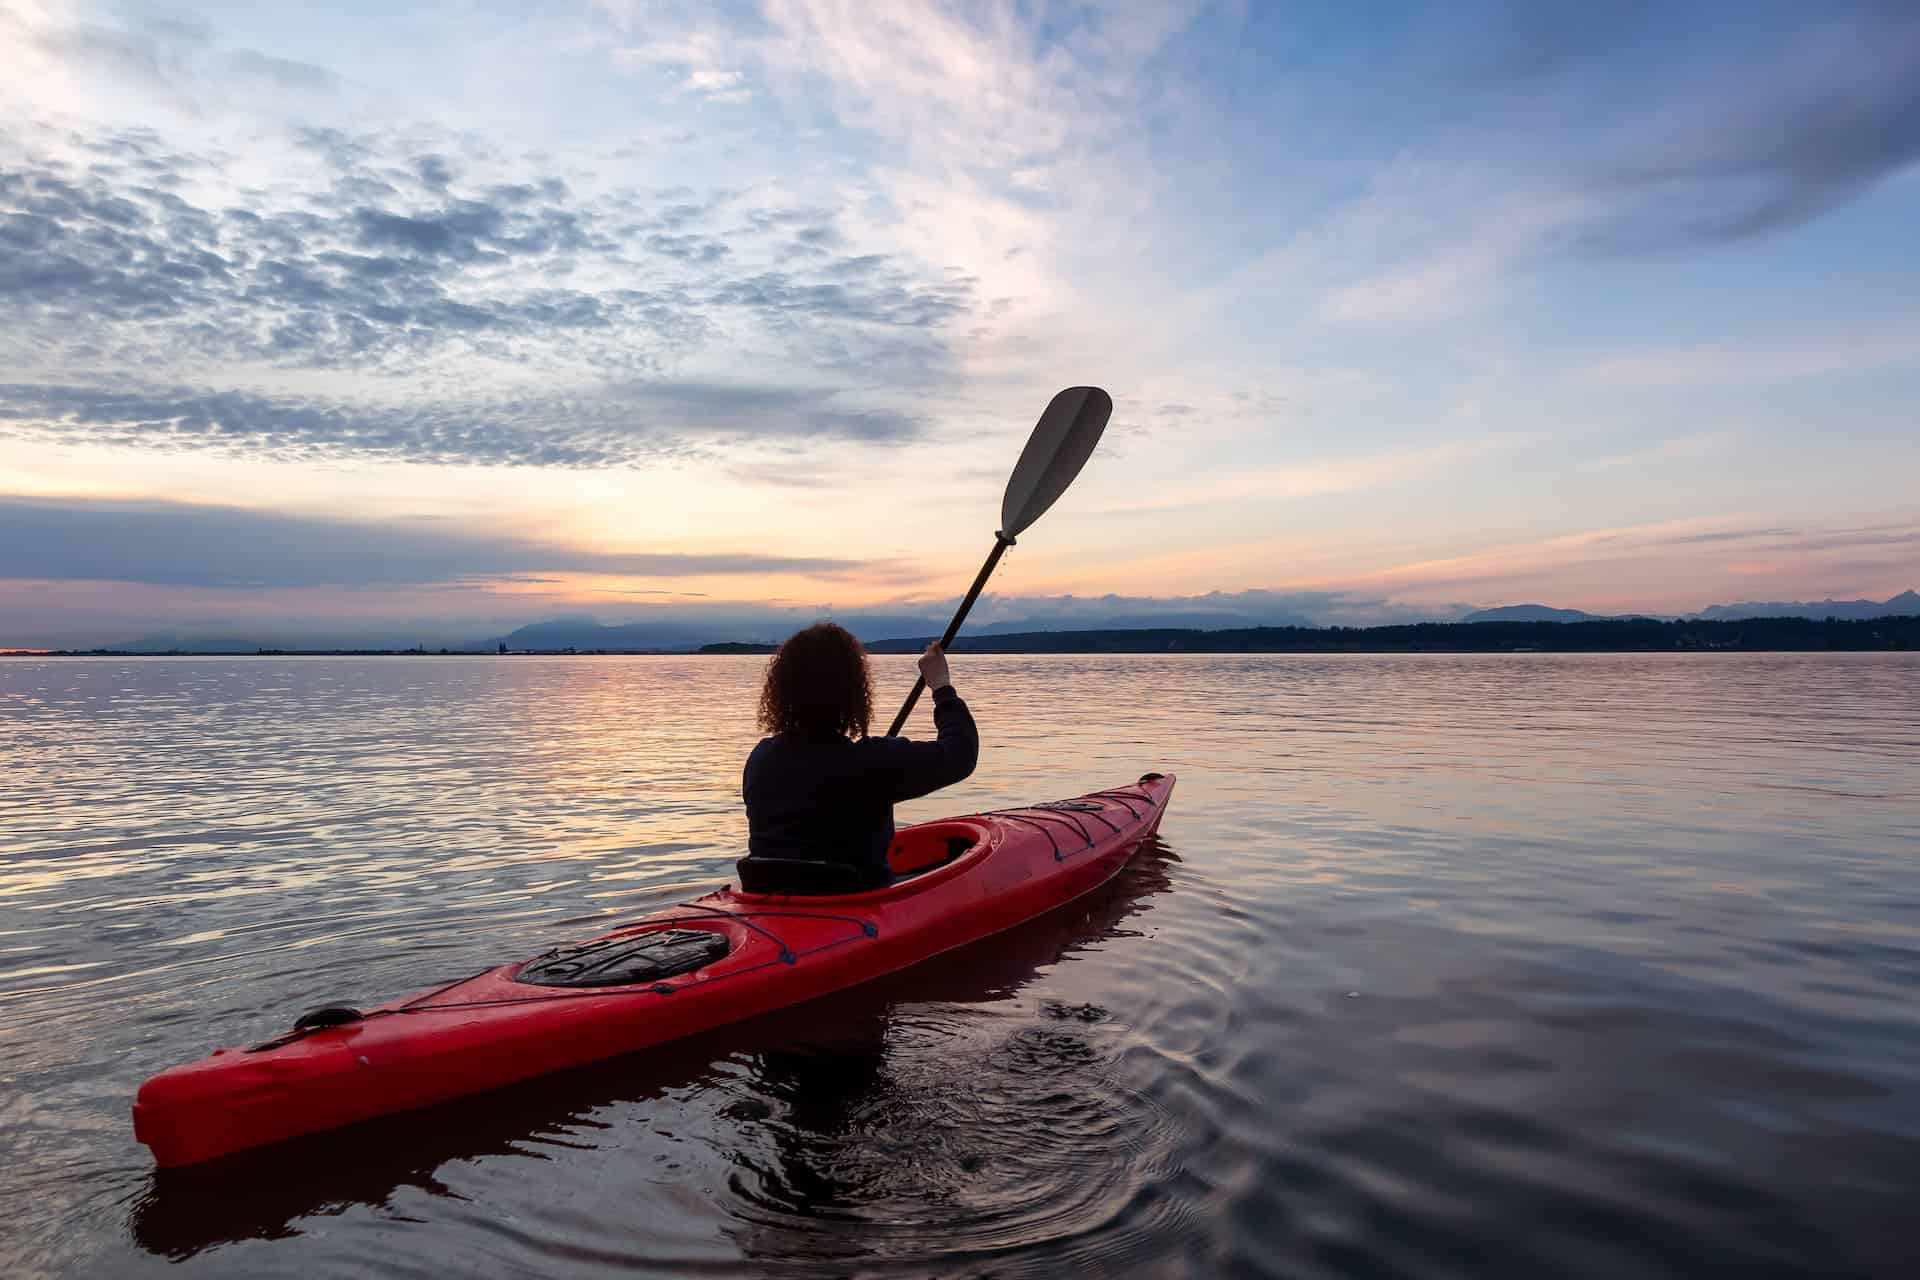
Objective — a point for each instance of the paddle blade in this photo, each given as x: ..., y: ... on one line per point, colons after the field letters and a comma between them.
x: 1060, y: 445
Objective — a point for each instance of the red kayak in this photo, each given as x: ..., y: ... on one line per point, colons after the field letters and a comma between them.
x: 774, y: 941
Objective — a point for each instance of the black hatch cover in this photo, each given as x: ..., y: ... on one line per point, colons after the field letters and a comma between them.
x: 616, y: 962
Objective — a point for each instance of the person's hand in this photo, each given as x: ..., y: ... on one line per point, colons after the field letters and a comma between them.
x: 933, y: 667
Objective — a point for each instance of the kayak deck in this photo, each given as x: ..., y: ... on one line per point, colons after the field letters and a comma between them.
x: 726, y: 956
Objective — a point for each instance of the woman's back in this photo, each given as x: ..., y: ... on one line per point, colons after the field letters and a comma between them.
x: 811, y: 791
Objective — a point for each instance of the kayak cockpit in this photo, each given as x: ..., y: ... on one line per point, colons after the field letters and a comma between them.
x: 927, y: 852
x: 918, y: 850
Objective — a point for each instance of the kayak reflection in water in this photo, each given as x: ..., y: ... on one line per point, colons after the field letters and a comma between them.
x: 819, y: 789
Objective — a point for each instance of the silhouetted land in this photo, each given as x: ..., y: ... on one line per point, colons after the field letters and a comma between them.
x: 1604, y: 635
x: 1628, y: 635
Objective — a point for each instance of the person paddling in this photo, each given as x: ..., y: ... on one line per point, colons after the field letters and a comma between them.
x: 819, y: 789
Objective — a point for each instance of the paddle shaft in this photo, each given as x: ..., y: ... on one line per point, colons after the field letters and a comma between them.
x: 1000, y: 545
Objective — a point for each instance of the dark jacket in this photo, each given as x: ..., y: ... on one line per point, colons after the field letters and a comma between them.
x: 831, y: 798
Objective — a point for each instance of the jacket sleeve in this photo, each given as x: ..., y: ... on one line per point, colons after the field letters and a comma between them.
x: 914, y: 769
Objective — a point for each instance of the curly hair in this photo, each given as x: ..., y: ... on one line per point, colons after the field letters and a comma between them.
x: 818, y: 684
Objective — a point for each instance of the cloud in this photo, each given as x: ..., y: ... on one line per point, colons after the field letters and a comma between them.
x: 279, y: 73
x: 975, y: 83
x: 1317, y: 478
x: 1563, y: 132
x: 401, y: 262
x: 107, y: 571
x: 1538, y: 38
x: 436, y: 172
x: 1681, y: 449
x: 327, y: 281
x: 1672, y: 566
x: 300, y: 579
x: 52, y: 49
x: 1462, y: 254
x: 777, y: 292
x: 626, y: 426
x: 1712, y: 123
x: 1807, y: 356
x: 1794, y: 134
x: 1725, y: 535
x: 746, y: 409
x: 1015, y: 147
x: 707, y: 67
x: 181, y: 545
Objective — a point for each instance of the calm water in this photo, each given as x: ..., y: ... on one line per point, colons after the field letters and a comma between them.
x: 1444, y: 965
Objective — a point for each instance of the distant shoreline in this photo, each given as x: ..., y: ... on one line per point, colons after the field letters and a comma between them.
x: 1600, y: 635
x: 1625, y: 635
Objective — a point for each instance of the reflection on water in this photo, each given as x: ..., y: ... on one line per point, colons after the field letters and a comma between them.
x: 918, y: 1130
x: 1589, y: 965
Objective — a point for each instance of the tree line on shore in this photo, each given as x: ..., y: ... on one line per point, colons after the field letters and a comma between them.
x: 1599, y: 635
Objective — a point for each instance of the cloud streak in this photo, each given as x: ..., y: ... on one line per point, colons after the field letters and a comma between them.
x: 175, y: 544
x: 1803, y: 129
x: 628, y: 426
x: 1669, y: 566
x: 1556, y: 139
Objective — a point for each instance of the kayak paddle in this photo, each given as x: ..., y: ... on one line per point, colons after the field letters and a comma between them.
x: 1060, y: 445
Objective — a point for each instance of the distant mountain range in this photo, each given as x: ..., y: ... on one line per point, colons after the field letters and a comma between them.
x: 679, y: 636
x: 1201, y: 614
x: 692, y: 633
x: 1530, y: 613
x: 1905, y: 604
x: 585, y: 633
x: 894, y: 633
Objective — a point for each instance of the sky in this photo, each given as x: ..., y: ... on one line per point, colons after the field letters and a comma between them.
x: 421, y: 322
